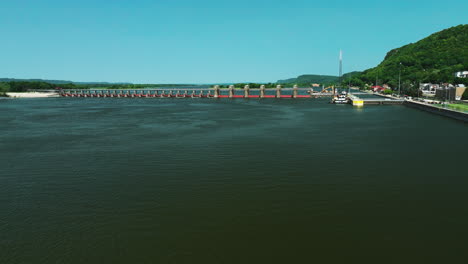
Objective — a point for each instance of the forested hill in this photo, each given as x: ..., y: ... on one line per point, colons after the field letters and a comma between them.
x: 54, y: 81
x: 433, y: 59
x: 308, y: 79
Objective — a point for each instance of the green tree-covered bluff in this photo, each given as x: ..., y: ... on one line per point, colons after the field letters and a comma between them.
x: 433, y: 59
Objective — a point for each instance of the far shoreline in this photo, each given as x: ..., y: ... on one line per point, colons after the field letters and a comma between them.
x: 31, y: 95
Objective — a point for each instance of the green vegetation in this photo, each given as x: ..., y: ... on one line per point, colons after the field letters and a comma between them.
x: 4, y: 87
x: 462, y: 107
x: 308, y: 79
x: 23, y: 86
x: 387, y: 92
x: 459, y: 107
x: 465, y: 94
x: 52, y: 81
x: 434, y: 59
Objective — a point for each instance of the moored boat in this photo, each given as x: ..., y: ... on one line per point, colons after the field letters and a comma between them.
x: 341, y: 99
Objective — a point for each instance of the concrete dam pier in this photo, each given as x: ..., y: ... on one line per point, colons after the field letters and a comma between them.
x: 215, y: 92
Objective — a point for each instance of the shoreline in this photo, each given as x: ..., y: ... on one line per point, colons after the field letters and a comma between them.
x: 458, y: 115
x: 32, y: 95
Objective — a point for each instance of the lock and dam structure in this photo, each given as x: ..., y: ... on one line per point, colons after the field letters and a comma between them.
x: 230, y: 92
x: 215, y: 92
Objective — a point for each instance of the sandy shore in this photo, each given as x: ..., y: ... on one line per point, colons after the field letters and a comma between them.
x: 32, y: 95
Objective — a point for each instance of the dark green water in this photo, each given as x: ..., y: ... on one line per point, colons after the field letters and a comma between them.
x: 229, y: 181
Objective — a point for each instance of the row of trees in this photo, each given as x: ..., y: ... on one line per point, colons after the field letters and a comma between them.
x: 4, y: 88
x: 23, y: 86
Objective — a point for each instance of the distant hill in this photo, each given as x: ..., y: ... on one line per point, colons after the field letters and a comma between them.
x: 309, y: 78
x: 433, y: 59
x: 22, y: 85
x: 313, y: 78
x: 54, y: 81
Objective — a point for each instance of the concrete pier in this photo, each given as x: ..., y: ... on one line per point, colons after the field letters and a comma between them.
x: 216, y: 91
x: 246, y: 91
x: 231, y: 91
x: 278, y: 91
x: 295, y: 91
x: 262, y: 91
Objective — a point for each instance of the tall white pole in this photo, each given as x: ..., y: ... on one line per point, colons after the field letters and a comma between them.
x: 341, y: 67
x: 399, y: 80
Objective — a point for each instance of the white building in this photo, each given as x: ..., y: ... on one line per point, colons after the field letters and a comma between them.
x: 428, y: 89
x: 461, y: 74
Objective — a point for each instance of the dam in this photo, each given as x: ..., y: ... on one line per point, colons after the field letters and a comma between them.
x: 355, y: 98
x: 215, y: 92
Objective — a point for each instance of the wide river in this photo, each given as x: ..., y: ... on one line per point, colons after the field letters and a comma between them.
x: 229, y: 181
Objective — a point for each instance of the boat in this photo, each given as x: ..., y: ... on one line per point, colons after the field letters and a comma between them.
x: 341, y: 98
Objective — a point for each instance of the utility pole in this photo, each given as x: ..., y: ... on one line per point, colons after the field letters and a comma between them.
x: 446, y: 92
x: 340, y: 79
x: 341, y: 64
x: 417, y: 91
x: 399, y: 80
x: 349, y: 83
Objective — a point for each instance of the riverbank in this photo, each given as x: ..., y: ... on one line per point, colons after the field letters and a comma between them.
x: 438, y: 110
x: 32, y: 95
x: 459, y: 107
x: 453, y: 110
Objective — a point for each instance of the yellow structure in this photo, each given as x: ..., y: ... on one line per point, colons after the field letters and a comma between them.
x: 358, y: 102
x: 329, y: 89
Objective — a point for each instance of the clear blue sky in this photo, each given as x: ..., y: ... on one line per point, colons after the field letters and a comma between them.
x: 208, y: 41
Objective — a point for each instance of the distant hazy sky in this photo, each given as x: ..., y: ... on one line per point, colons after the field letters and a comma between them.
x: 209, y: 41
